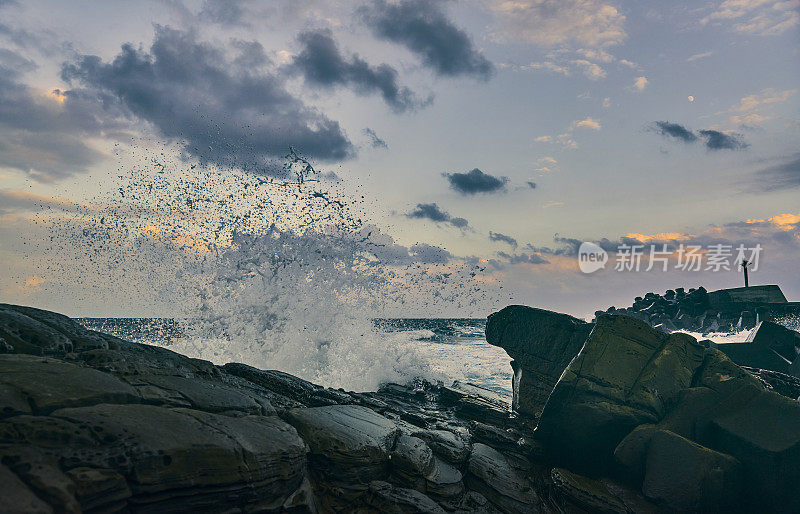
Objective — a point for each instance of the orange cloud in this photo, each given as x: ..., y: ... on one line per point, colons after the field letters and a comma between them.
x: 663, y: 236
x: 32, y: 284
x: 782, y: 221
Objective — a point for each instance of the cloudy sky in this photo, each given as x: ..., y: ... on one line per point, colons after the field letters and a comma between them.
x: 495, y: 132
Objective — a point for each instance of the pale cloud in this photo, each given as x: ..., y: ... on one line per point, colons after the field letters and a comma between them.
x: 588, y: 123
x: 590, y: 23
x: 606, y: 102
x: 596, y: 54
x: 20, y: 201
x: 765, y: 97
x: 547, y: 66
x: 590, y: 69
x: 543, y: 139
x: 640, y: 83
x: 629, y: 64
x: 566, y: 141
x: 757, y: 17
x: 696, y: 57
x: 749, y: 120
x: 546, y: 164
x: 749, y: 110
x: 552, y: 204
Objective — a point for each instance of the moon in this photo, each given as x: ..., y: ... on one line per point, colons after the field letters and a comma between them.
x: 691, y: 98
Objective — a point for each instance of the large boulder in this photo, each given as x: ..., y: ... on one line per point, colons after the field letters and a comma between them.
x: 541, y: 343
x: 626, y: 374
x: 687, y: 477
x: 762, y: 430
x: 768, y: 346
x: 40, y: 332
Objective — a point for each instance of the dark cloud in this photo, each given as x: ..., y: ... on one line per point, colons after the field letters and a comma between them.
x: 785, y: 175
x: 374, y: 140
x: 716, y: 140
x: 387, y: 251
x: 530, y: 258
x: 250, y: 54
x: 431, y: 211
x: 422, y: 27
x: 44, y: 134
x: 429, y: 254
x: 475, y: 181
x: 322, y: 64
x: 502, y: 238
x: 220, y: 109
x: 568, y: 246
x: 532, y: 185
x: 666, y: 128
x: 224, y: 12
x: 713, y: 139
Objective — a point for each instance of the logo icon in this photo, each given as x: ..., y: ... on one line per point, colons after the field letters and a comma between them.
x: 591, y: 257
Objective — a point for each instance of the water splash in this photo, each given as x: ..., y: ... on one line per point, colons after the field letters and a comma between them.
x: 276, y: 270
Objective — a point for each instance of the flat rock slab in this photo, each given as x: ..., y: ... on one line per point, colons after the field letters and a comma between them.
x: 492, y: 475
x: 444, y: 482
x: 15, y: 497
x: 209, y: 395
x: 51, y: 384
x: 586, y: 493
x: 287, y: 385
x: 346, y: 433
x: 412, y: 456
x: 350, y: 447
x: 446, y: 444
x: 160, y: 449
x: 385, y: 497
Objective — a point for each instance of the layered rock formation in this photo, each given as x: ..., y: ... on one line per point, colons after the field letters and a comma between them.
x: 673, y: 417
x: 636, y: 421
x: 92, y: 423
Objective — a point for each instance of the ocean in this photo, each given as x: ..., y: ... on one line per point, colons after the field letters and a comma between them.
x: 450, y: 348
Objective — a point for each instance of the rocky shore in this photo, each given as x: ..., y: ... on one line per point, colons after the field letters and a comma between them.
x: 612, y: 416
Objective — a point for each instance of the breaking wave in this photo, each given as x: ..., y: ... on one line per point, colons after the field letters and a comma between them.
x: 279, y: 270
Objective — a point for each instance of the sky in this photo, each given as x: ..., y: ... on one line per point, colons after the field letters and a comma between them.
x: 494, y: 133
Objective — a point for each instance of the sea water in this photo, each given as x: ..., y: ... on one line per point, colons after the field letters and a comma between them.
x: 452, y: 348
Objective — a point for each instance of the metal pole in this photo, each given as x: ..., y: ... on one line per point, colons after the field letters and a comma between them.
x: 744, y: 268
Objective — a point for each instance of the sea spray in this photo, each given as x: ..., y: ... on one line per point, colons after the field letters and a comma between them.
x: 275, y: 270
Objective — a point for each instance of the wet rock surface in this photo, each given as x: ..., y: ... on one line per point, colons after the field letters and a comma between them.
x: 541, y: 343
x: 636, y: 421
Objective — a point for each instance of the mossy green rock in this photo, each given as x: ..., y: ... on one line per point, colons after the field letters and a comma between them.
x: 626, y: 374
